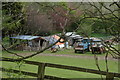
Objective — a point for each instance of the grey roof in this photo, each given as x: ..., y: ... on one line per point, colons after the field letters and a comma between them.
x: 50, y: 39
x: 26, y: 37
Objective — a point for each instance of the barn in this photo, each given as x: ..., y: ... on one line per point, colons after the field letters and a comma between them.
x: 36, y: 43
x: 29, y: 42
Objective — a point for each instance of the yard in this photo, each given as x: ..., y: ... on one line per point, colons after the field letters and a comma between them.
x: 64, y: 57
x: 37, y: 26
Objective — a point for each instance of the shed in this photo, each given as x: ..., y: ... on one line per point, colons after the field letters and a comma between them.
x: 34, y: 43
x: 29, y: 43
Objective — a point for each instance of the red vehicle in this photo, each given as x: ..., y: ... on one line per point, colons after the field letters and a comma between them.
x: 97, y: 47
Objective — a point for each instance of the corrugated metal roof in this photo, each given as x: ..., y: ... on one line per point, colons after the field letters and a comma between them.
x: 50, y: 39
x: 25, y: 37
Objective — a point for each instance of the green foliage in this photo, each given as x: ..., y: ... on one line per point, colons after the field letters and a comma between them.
x: 100, y: 35
x: 12, y: 16
x: 5, y: 41
x: 73, y: 26
x: 11, y: 74
x: 85, y: 27
x: 94, y: 25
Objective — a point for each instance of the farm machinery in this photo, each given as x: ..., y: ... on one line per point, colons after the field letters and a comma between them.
x: 82, y: 45
x: 89, y: 44
x: 97, y: 47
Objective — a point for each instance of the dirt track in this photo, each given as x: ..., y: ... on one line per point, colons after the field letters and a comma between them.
x: 71, y: 56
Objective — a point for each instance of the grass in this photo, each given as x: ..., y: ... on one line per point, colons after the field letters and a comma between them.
x: 98, y: 35
x: 62, y: 51
x: 78, y: 62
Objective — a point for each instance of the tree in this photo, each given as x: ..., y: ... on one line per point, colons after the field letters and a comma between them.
x: 13, y: 18
x: 67, y: 14
x: 95, y: 16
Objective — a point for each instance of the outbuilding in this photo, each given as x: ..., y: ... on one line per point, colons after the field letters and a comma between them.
x: 29, y: 42
x: 36, y: 43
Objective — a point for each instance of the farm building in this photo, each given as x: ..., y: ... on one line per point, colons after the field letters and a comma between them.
x: 35, y: 43
x: 29, y: 43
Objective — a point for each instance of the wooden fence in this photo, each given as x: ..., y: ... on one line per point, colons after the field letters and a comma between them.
x: 41, y: 69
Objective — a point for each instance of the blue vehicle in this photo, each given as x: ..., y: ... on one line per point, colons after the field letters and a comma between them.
x: 82, y: 45
x: 89, y: 43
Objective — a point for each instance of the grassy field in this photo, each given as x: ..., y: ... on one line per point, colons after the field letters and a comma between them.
x: 100, y: 35
x: 78, y: 62
x: 61, y: 51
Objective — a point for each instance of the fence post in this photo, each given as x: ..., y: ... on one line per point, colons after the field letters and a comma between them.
x: 41, y: 70
x: 109, y: 76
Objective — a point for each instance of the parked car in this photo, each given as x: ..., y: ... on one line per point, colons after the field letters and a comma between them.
x: 97, y: 47
x: 89, y: 43
x: 83, y: 45
x: 80, y: 46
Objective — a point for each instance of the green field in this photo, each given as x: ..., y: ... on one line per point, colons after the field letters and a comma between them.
x: 100, y: 35
x: 61, y: 51
x: 78, y: 62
